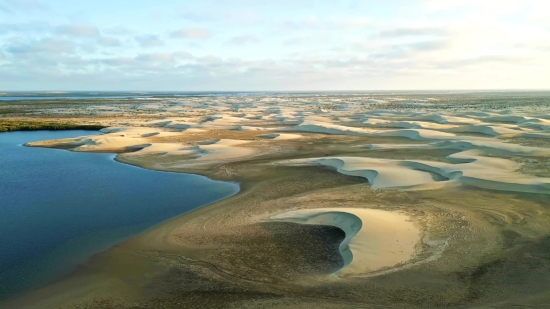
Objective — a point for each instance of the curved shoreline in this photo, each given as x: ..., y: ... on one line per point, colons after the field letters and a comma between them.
x: 87, y: 244
x: 479, y: 247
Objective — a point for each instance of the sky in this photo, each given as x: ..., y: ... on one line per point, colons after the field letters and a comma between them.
x: 256, y: 45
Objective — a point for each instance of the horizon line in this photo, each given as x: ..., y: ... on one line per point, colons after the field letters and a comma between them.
x: 257, y: 91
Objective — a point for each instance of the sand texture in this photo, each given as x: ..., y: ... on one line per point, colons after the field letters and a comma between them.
x: 375, y: 239
x: 347, y: 201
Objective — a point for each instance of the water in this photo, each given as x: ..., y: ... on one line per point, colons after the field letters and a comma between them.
x: 57, y: 208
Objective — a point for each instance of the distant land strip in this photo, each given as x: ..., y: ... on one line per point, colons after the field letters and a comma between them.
x: 7, y: 125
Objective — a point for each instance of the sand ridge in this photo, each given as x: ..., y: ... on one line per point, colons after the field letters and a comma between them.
x: 451, y: 191
x: 375, y: 239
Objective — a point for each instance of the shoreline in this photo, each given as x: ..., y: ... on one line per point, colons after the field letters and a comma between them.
x: 157, y: 238
x: 90, y: 255
x: 429, y: 163
x: 154, y: 239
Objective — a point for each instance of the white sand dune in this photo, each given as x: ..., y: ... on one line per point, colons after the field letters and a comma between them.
x: 535, y: 126
x: 417, y: 134
x: 482, y: 161
x: 136, y: 132
x: 328, y: 128
x: 135, y: 140
x: 168, y: 149
x: 117, y: 139
x: 105, y: 143
x: 470, y: 114
x: 494, y: 148
x: 474, y: 169
x: 509, y: 118
x: 380, y: 173
x: 398, y: 146
x: 223, y: 150
x: 250, y: 128
x: 492, y: 130
x: 379, y: 123
x: 281, y: 136
x: 442, y: 119
x: 375, y: 239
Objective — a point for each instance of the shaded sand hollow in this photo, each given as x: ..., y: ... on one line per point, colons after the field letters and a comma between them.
x: 341, y: 206
x: 375, y: 239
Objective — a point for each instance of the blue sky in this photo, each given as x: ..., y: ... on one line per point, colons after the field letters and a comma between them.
x: 274, y: 45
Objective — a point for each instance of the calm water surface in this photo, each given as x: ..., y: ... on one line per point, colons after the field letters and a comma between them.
x: 57, y: 208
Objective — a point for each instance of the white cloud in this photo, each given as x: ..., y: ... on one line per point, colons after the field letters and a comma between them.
x: 109, y: 42
x: 26, y: 5
x: 420, y: 44
x: 47, y: 45
x: 243, y: 39
x: 413, y: 32
x: 78, y: 30
x: 149, y: 40
x: 191, y: 33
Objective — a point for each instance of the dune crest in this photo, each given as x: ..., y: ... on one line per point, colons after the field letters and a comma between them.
x: 474, y: 170
x: 375, y: 239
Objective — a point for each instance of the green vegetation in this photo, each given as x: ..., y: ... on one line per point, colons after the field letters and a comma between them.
x: 7, y: 125
x: 5, y: 111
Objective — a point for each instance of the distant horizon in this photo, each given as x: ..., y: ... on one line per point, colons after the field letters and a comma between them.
x: 260, y: 91
x: 308, y: 45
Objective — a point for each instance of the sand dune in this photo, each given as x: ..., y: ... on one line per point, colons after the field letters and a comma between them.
x: 380, y: 173
x: 206, y: 152
x: 414, y: 157
x: 281, y: 136
x: 481, y: 161
x: 475, y: 170
x: 494, y: 148
x: 417, y: 134
x: 328, y: 128
x: 492, y: 130
x: 379, y: 123
x: 375, y: 239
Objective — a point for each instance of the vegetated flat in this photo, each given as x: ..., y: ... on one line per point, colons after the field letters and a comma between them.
x: 457, y: 181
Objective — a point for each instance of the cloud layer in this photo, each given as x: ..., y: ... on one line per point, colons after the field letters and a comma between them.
x: 248, y: 45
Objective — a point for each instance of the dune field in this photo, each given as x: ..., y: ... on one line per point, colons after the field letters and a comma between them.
x: 438, y: 200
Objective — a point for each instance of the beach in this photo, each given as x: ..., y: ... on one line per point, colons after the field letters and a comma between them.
x: 345, y: 202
